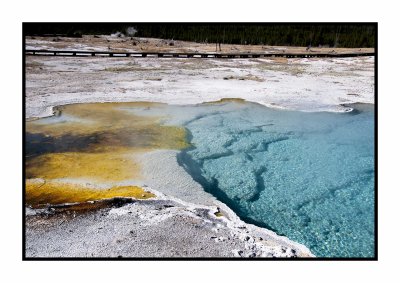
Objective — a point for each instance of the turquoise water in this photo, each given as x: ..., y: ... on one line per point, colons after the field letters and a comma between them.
x: 308, y: 176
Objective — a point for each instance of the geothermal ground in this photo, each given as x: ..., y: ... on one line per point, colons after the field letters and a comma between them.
x: 181, y: 220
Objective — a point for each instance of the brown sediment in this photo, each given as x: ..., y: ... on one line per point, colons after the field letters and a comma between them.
x: 133, y: 69
x: 245, y: 78
x: 92, y: 118
x: 40, y: 193
x: 92, y: 143
x: 225, y: 100
x: 71, y: 210
x: 279, y: 60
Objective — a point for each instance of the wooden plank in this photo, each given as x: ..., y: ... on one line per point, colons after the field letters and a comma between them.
x: 189, y: 55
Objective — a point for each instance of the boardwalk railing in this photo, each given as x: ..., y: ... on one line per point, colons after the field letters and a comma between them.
x: 77, y: 53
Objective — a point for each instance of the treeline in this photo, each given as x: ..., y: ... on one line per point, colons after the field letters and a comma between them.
x: 332, y: 35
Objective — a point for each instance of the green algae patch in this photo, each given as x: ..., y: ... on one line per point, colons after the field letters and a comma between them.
x: 40, y: 193
x: 109, y: 124
x: 218, y: 214
x: 96, y: 143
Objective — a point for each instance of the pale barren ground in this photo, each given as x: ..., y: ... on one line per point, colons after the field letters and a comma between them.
x: 153, y: 228
x: 318, y: 84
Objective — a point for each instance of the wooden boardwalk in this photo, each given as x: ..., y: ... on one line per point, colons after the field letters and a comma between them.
x: 77, y: 53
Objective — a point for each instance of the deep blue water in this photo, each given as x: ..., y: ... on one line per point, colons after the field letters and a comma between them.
x: 308, y: 176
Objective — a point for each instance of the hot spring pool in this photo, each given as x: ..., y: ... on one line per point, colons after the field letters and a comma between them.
x: 308, y: 176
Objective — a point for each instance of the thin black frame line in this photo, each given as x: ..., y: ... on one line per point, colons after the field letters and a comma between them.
x: 23, y: 145
x: 376, y: 140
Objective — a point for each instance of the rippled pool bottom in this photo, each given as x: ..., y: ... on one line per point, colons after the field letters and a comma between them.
x: 308, y: 176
